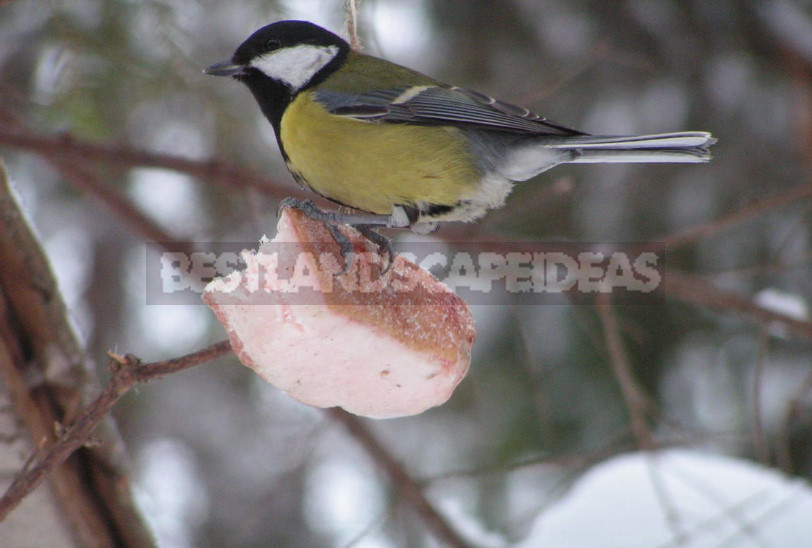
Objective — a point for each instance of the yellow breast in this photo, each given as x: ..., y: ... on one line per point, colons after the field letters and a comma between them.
x: 373, y: 166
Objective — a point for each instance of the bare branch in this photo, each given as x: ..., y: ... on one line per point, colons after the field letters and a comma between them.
x: 352, y: 24
x: 127, y: 372
x: 67, y: 146
x: 36, y: 338
x: 115, y: 201
x: 752, y: 211
x: 637, y: 403
x: 762, y: 448
x: 793, y: 409
x: 695, y: 290
x: 70, y: 157
x: 409, y: 490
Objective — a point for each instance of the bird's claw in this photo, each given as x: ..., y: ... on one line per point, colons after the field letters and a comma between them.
x: 330, y: 221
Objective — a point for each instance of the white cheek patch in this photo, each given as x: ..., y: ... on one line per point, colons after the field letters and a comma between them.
x: 296, y: 65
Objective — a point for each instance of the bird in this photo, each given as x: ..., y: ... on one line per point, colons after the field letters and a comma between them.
x: 400, y: 149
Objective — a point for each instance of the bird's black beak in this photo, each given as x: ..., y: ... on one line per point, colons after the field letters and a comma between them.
x: 226, y: 68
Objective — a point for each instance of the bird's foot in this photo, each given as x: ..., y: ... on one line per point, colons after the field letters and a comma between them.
x: 361, y: 222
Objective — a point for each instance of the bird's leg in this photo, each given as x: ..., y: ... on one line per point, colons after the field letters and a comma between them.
x: 363, y: 222
x: 383, y: 243
x: 344, y: 245
x: 335, y: 217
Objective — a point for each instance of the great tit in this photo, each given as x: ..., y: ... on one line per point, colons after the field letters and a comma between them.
x: 403, y: 149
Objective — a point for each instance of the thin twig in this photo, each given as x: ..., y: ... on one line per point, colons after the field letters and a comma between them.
x: 70, y: 158
x: 669, y: 508
x: 760, y: 444
x: 128, y: 371
x: 67, y: 146
x: 695, y: 290
x: 352, y: 24
x: 803, y: 261
x: 577, y: 68
x: 754, y: 210
x: 783, y: 451
x: 636, y: 402
x: 580, y: 460
x: 117, y: 203
x: 409, y: 490
x: 63, y: 153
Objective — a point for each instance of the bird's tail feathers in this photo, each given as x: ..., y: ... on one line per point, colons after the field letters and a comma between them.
x: 682, y: 147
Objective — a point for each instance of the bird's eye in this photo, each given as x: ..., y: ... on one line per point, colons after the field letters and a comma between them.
x: 272, y: 44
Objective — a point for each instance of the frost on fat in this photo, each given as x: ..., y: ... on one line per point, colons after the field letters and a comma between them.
x: 377, y: 346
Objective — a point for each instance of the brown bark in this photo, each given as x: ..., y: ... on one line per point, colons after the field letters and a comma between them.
x: 49, y: 379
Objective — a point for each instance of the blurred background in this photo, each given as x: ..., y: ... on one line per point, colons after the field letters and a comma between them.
x: 219, y: 458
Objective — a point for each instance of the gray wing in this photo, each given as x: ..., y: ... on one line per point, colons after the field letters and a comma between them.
x: 439, y: 105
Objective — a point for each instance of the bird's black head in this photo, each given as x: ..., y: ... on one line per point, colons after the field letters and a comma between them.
x: 281, y: 59
x: 286, y: 35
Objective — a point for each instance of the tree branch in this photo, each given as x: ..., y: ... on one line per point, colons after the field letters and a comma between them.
x: 48, y: 377
x: 67, y: 146
x: 637, y: 403
x: 760, y: 442
x: 69, y: 157
x: 352, y: 24
x: 128, y: 371
x: 64, y: 152
x: 751, y: 211
x: 793, y: 410
x: 695, y: 290
x: 115, y: 201
x: 409, y: 490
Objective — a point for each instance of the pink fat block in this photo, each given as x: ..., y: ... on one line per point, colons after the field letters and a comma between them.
x: 376, y: 345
